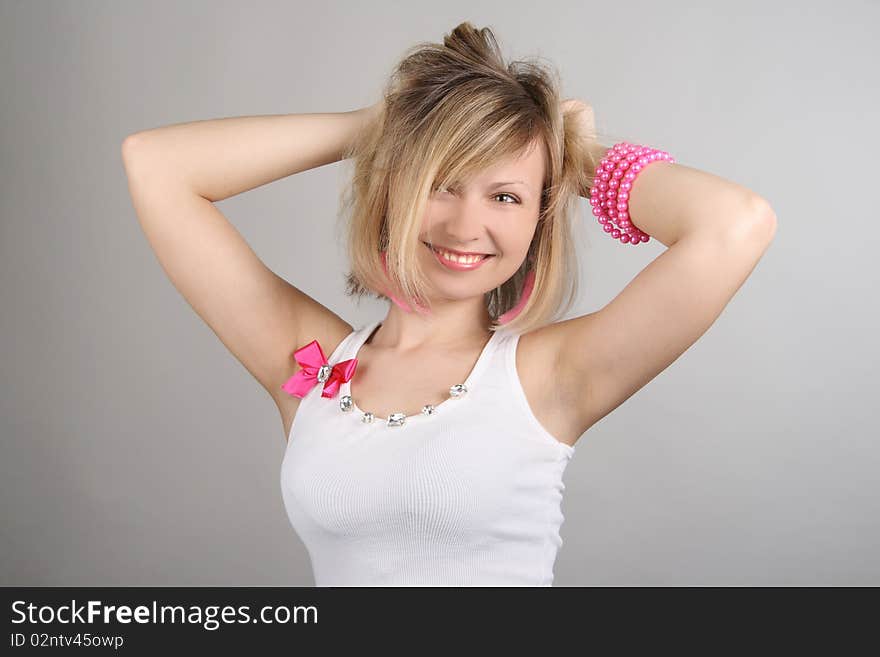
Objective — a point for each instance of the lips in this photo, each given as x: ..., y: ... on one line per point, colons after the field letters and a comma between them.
x: 459, y: 253
x: 459, y: 266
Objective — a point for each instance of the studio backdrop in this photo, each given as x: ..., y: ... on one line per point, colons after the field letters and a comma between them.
x: 137, y: 451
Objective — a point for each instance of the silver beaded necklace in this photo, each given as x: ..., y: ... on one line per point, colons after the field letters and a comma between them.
x: 398, y: 419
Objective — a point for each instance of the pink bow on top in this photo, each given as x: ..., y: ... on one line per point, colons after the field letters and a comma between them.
x: 316, y: 369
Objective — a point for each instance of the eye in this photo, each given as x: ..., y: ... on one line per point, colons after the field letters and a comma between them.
x: 515, y: 199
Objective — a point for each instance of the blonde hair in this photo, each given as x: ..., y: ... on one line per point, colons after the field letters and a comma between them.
x: 451, y: 110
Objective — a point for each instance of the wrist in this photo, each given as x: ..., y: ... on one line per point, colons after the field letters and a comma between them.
x: 370, y: 112
x: 595, y: 152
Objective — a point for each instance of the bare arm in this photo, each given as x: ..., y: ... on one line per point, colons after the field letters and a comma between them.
x: 717, y: 231
x: 174, y: 175
x: 220, y: 158
x: 671, y: 200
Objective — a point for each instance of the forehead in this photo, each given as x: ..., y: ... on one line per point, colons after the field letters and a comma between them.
x: 528, y: 165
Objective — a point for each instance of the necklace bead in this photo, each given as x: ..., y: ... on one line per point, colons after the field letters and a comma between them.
x: 346, y: 405
x: 458, y: 390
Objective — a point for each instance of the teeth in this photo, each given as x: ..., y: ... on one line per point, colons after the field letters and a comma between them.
x: 467, y: 260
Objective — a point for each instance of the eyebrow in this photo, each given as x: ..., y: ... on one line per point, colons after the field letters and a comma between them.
x: 509, y: 182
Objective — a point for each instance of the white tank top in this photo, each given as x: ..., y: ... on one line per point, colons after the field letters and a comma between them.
x: 469, y: 496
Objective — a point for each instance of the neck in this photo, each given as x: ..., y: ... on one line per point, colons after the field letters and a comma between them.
x: 449, y: 326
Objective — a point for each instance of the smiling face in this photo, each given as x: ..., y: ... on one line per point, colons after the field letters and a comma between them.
x: 496, y: 214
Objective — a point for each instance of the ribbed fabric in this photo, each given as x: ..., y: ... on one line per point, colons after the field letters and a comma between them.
x: 470, y: 496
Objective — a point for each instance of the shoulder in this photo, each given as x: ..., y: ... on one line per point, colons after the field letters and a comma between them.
x: 329, y: 330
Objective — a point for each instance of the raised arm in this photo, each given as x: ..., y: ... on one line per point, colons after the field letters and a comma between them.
x: 220, y: 158
x: 176, y: 173
x: 716, y: 231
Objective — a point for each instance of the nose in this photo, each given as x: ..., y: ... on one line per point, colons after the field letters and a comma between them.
x: 459, y: 225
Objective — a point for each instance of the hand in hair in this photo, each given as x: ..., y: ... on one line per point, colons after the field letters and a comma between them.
x: 583, y: 116
x: 374, y: 110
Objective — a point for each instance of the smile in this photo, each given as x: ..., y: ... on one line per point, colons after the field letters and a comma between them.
x: 458, y: 263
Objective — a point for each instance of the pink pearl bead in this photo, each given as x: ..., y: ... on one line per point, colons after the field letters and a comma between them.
x: 609, y: 197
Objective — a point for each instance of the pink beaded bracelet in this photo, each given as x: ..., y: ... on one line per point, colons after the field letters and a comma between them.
x: 609, y: 196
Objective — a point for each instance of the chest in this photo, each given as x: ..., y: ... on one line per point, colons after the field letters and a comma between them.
x: 422, y: 484
x: 384, y: 386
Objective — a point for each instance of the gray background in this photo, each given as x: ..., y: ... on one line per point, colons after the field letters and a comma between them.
x: 137, y: 451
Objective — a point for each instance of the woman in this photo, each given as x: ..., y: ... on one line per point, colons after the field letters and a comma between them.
x: 428, y: 448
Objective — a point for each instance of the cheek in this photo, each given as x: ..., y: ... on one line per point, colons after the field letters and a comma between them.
x: 510, y: 259
x: 515, y: 251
